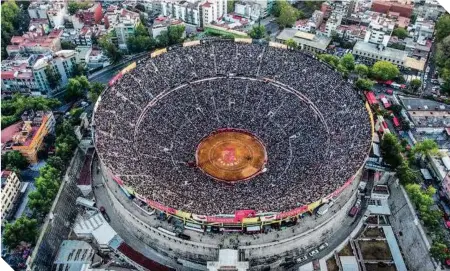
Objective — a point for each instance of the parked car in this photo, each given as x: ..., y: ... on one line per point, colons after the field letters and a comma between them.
x: 302, y: 258
x: 105, y: 215
x: 389, y: 91
x: 353, y: 211
x: 323, y: 246
x: 312, y: 253
x: 323, y: 209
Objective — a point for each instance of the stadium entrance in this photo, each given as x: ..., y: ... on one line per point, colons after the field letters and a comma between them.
x: 231, y: 155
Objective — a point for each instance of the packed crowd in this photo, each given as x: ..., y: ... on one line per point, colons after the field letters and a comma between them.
x: 313, y: 124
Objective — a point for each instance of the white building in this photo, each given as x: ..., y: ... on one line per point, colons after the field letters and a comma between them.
x: 248, y: 9
x: 379, y: 31
x: 194, y: 12
x: 306, y: 41
x: 127, y: 23
x: 423, y: 29
x: 53, y: 11
x: 10, y: 187
x: 332, y: 24
x: 161, y: 24
x: 62, y: 62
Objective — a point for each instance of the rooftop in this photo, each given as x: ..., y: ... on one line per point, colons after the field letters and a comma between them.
x: 73, y: 254
x: 391, y: 53
x: 308, y: 39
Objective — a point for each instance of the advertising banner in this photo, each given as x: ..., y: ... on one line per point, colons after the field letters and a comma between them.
x: 293, y: 212
x: 159, y: 206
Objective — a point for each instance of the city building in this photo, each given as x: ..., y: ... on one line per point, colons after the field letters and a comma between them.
x: 249, y: 9
x: 332, y: 24
x: 10, y: 188
x: 88, y: 17
x: 17, y: 75
x: 27, y: 136
x: 423, y: 29
x: 306, y: 41
x: 75, y: 255
x: 379, y: 31
x: 404, y: 10
x: 35, y: 42
x: 127, y: 21
x: 311, y: 24
x: 440, y: 167
x: 52, y: 11
x: 161, y: 24
x: 198, y: 13
x: 62, y: 62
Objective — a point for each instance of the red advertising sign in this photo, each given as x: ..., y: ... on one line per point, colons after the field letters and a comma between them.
x: 118, y: 180
x: 293, y: 212
x: 240, y: 214
x: 161, y: 207
x: 228, y: 220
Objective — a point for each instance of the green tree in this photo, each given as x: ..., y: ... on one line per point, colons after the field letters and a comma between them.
x: 348, y: 61
x: 257, y: 32
x: 74, y: 6
x: 385, y: 70
x: 141, y: 30
x: 95, y: 91
x: 364, y: 84
x: 109, y: 48
x: 230, y: 6
x: 56, y: 162
x: 399, y: 32
x: 330, y: 59
x: 405, y: 174
x: 75, y: 89
x: 443, y: 27
x: 175, y: 33
x: 22, y: 230
x: 290, y: 43
x: 342, y: 69
x: 14, y: 159
x: 415, y: 84
x: 288, y: 16
x: 390, y: 150
x: 426, y: 147
x: 139, y: 44
x: 79, y: 70
x: 68, y: 45
x: 163, y: 39
x: 53, y: 77
x: 362, y: 70
x: 439, y: 251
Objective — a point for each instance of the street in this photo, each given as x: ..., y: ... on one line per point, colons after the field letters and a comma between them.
x: 103, y: 76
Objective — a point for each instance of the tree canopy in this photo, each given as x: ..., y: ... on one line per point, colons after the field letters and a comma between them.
x: 443, y: 27
x: 76, y: 88
x: 141, y: 40
x: 415, y: 84
x: 287, y: 15
x: 348, y: 62
x: 53, y: 77
x: 391, y: 150
x: 362, y: 70
x: 74, y: 6
x: 22, y: 230
x: 257, y: 32
x: 330, y: 59
x: 385, y: 70
x: 94, y: 91
x: 10, y: 22
x: 14, y: 160
x: 401, y: 33
x: 290, y: 43
x: 109, y: 48
x: 426, y: 147
x: 364, y: 84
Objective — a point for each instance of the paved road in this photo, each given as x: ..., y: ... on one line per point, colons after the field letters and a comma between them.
x: 103, y: 76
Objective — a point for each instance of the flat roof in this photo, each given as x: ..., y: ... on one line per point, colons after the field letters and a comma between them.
x: 416, y: 104
x: 395, y: 250
x: 304, y: 38
x: 412, y: 63
x: 386, y: 52
x: 349, y: 263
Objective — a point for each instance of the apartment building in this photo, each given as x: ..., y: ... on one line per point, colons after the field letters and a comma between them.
x: 10, y: 188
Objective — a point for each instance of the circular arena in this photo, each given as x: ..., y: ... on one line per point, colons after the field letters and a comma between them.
x: 214, y: 129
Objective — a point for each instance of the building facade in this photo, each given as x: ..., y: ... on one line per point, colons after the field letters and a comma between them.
x: 10, y: 188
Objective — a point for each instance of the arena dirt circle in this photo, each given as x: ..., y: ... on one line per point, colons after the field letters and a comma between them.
x: 312, y: 126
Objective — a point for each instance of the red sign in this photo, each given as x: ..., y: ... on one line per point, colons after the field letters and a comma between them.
x: 118, y: 180
x: 293, y: 212
x: 159, y: 206
x: 216, y: 219
x: 241, y: 214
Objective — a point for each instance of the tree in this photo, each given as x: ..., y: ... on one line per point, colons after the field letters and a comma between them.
x: 67, y: 45
x: 364, y: 84
x: 175, y: 33
x: 12, y: 159
x: 413, y: 18
x: 110, y: 48
x: 74, y: 90
x: 47, y: 185
x: 74, y: 6
x: 230, y: 6
x: 290, y: 43
x: 415, y: 84
x: 141, y: 30
x: 396, y: 108
x: 53, y: 77
x: 390, y: 150
x: 405, y: 174
x: 95, y: 91
x: 340, y: 68
x: 330, y: 59
x: 257, y: 32
x: 362, y: 70
x: 443, y: 27
x: 22, y: 230
x: 399, y: 32
x: 79, y: 70
x: 163, y: 39
x: 426, y: 147
x: 348, y: 62
x: 56, y: 162
x: 439, y: 251
x: 288, y: 16
x: 139, y: 44
x: 384, y: 70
